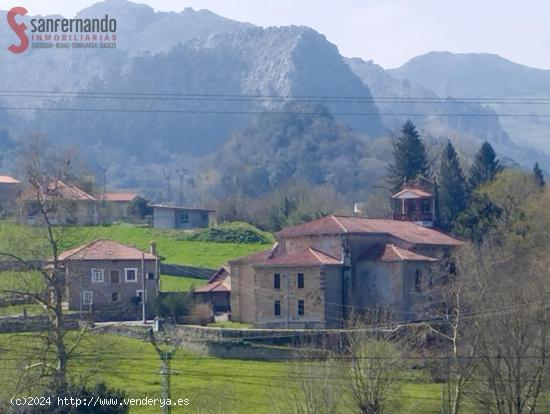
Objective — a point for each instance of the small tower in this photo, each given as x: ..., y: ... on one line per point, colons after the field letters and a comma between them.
x: 415, y: 202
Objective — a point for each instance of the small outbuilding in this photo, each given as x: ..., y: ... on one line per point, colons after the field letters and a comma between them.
x: 174, y: 217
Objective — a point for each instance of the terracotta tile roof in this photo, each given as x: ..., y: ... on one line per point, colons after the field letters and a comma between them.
x: 219, y: 282
x: 392, y: 253
x: 306, y: 257
x: 6, y: 179
x: 123, y: 196
x: 255, y: 257
x: 217, y: 286
x: 105, y: 249
x: 220, y: 274
x: 414, y: 192
x: 403, y: 230
x: 68, y: 192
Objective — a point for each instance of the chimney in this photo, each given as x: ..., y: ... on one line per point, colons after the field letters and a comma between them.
x: 153, y: 248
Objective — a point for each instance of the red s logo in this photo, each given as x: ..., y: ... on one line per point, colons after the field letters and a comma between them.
x: 19, y: 29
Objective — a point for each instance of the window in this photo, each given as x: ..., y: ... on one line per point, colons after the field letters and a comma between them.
x: 87, y: 298
x: 301, y: 307
x: 205, y: 216
x: 97, y: 275
x: 114, y: 296
x: 276, y: 281
x: 300, y: 280
x: 277, y: 308
x: 184, y: 218
x: 114, y: 276
x: 139, y: 294
x: 130, y: 275
x: 151, y: 276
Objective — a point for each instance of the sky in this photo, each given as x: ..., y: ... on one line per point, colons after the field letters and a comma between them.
x: 390, y: 32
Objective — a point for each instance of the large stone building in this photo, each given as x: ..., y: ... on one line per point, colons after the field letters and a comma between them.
x: 320, y: 272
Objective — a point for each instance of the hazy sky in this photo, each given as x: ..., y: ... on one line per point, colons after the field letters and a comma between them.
x: 388, y: 31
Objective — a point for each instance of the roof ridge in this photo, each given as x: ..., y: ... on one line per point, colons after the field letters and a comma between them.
x: 396, y: 250
x: 338, y: 222
x: 316, y: 251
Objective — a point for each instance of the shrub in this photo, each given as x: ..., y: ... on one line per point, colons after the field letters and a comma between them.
x: 202, y: 314
x: 236, y: 232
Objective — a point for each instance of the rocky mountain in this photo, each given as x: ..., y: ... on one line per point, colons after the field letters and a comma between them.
x: 490, y: 77
x: 416, y: 99
x: 180, y: 85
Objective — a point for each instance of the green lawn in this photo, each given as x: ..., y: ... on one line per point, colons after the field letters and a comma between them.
x: 179, y: 283
x: 17, y: 310
x: 27, y: 240
x: 214, y: 385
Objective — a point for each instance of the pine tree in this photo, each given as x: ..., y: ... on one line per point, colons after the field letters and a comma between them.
x: 539, y: 176
x: 485, y: 167
x: 453, y: 189
x: 409, y: 156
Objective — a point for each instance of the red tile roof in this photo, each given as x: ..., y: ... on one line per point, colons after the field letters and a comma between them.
x: 123, y: 196
x: 219, y: 282
x: 217, y: 286
x: 6, y: 179
x: 414, y: 191
x: 392, y: 253
x: 403, y: 230
x: 105, y: 249
x: 306, y: 257
x: 68, y: 191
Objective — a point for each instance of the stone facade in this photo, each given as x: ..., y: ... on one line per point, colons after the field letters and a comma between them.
x: 122, y: 280
x: 352, y: 267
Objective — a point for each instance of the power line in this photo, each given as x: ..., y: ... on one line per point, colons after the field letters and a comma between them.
x: 233, y: 112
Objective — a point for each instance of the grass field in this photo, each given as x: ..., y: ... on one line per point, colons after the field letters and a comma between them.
x: 179, y: 283
x: 195, y: 253
x: 214, y: 385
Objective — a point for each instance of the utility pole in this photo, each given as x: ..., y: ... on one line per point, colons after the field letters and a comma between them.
x: 181, y: 172
x: 166, y: 357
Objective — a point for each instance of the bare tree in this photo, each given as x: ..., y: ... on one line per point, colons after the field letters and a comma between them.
x: 372, y: 365
x: 42, y: 174
x: 311, y: 389
x: 512, y: 330
x: 457, y: 293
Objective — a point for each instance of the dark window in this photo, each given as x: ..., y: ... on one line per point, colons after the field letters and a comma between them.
x: 426, y: 205
x: 114, y: 297
x: 184, y: 218
x: 417, y: 280
x: 301, y: 307
x: 276, y: 281
x: 205, y: 216
x: 277, y: 308
x: 300, y: 280
x: 150, y: 276
x: 114, y: 276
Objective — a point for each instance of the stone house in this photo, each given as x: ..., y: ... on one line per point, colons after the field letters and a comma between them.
x: 117, y: 204
x: 9, y: 192
x: 106, y: 275
x: 67, y: 203
x: 320, y: 272
x: 173, y: 217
